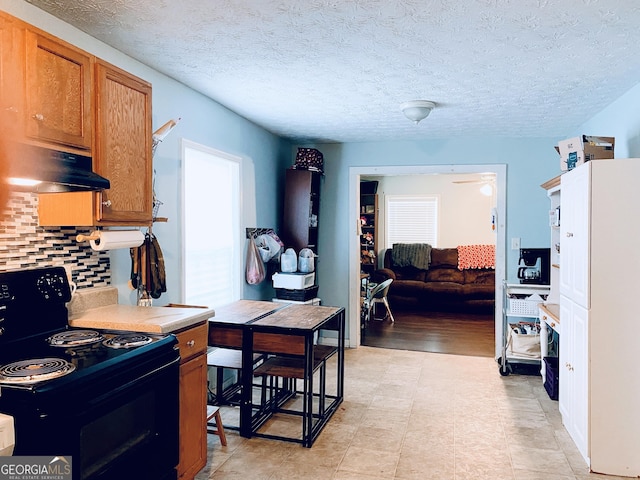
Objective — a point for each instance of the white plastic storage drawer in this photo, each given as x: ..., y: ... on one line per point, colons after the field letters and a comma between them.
x: 295, y: 281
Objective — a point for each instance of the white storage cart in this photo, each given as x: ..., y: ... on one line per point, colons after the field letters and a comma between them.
x: 520, y: 309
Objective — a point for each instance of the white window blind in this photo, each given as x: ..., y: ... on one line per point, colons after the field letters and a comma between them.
x: 212, y: 244
x: 411, y: 219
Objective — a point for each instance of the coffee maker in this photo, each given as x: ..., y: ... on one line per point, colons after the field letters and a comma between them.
x: 534, y: 266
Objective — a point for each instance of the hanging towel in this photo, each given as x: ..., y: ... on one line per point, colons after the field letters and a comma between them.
x: 416, y: 255
x: 476, y: 256
x: 148, y: 273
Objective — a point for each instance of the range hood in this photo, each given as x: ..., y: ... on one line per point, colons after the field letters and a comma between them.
x: 43, y: 170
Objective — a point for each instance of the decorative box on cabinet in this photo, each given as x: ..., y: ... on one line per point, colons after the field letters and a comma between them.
x: 122, y: 154
x: 193, y: 400
x: 301, y: 209
x: 58, y: 97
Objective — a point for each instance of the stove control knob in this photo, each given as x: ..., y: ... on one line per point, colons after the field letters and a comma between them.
x: 50, y: 286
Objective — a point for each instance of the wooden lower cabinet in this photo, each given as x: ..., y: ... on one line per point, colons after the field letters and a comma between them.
x: 193, y: 400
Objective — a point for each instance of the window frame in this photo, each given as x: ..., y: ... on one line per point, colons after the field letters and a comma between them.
x: 236, y: 232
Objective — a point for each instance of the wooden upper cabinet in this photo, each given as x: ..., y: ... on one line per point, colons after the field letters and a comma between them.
x: 55, y: 95
x: 123, y: 145
x: 58, y: 92
x: 121, y: 153
x: 11, y: 75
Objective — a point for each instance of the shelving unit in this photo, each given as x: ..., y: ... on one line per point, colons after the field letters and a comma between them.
x: 513, y: 312
x: 369, y: 235
x: 301, y: 209
x: 553, y: 192
x: 550, y: 310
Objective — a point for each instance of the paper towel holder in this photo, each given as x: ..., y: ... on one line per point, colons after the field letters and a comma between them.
x: 95, y: 235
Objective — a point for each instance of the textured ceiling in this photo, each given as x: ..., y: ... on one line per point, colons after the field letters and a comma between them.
x: 337, y: 70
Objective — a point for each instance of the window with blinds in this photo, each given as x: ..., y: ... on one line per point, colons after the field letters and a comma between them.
x: 212, y: 256
x: 411, y: 219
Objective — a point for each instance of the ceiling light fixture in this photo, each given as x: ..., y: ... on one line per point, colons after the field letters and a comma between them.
x: 416, y: 110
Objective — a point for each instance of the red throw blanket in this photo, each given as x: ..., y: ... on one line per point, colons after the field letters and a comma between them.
x: 476, y: 256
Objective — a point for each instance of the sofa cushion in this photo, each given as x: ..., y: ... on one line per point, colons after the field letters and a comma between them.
x: 409, y: 274
x: 444, y: 257
x: 444, y: 289
x: 478, y: 292
x: 444, y: 275
x: 407, y: 288
x: 479, y: 277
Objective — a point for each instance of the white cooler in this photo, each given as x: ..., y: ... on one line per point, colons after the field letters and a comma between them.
x: 294, y: 281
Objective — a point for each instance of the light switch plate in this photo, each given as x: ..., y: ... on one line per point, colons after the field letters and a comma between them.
x: 515, y: 243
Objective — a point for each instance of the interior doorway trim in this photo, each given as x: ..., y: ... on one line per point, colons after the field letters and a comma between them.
x: 355, y: 173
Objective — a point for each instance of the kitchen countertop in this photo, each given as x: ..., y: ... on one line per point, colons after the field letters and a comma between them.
x: 140, y: 319
x: 551, y: 309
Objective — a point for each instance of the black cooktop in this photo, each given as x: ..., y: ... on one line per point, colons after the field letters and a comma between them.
x: 40, y: 352
x: 108, y: 346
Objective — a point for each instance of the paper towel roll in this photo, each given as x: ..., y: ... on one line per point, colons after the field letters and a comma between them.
x: 117, y: 239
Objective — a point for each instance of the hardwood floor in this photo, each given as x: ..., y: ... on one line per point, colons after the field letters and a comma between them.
x: 437, y: 332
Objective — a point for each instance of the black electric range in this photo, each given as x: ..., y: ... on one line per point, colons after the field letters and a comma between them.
x: 108, y: 400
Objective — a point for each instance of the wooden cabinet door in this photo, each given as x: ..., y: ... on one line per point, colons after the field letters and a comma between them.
x: 301, y: 209
x: 193, y: 417
x: 11, y: 76
x: 123, y: 146
x: 58, y: 96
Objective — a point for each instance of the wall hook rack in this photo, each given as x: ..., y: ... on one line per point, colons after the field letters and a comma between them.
x: 256, y: 232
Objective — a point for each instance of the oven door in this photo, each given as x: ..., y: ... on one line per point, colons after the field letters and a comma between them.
x: 113, y: 431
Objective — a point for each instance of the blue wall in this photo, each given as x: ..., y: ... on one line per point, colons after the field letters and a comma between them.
x: 620, y: 120
x: 530, y: 162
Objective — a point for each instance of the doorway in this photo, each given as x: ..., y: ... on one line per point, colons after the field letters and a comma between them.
x: 355, y: 174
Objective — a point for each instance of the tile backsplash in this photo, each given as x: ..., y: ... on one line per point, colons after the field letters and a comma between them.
x: 26, y: 245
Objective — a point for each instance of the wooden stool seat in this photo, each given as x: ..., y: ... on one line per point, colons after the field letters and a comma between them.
x: 225, y: 358
x: 213, y: 415
x: 288, y: 367
x: 221, y: 359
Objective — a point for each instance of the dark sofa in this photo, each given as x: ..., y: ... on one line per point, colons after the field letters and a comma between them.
x: 442, y: 287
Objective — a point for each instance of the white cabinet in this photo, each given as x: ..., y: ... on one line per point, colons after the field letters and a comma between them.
x: 599, y: 260
x: 574, y: 236
x: 573, y: 398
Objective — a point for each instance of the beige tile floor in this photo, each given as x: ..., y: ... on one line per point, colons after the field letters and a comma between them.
x: 418, y: 416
